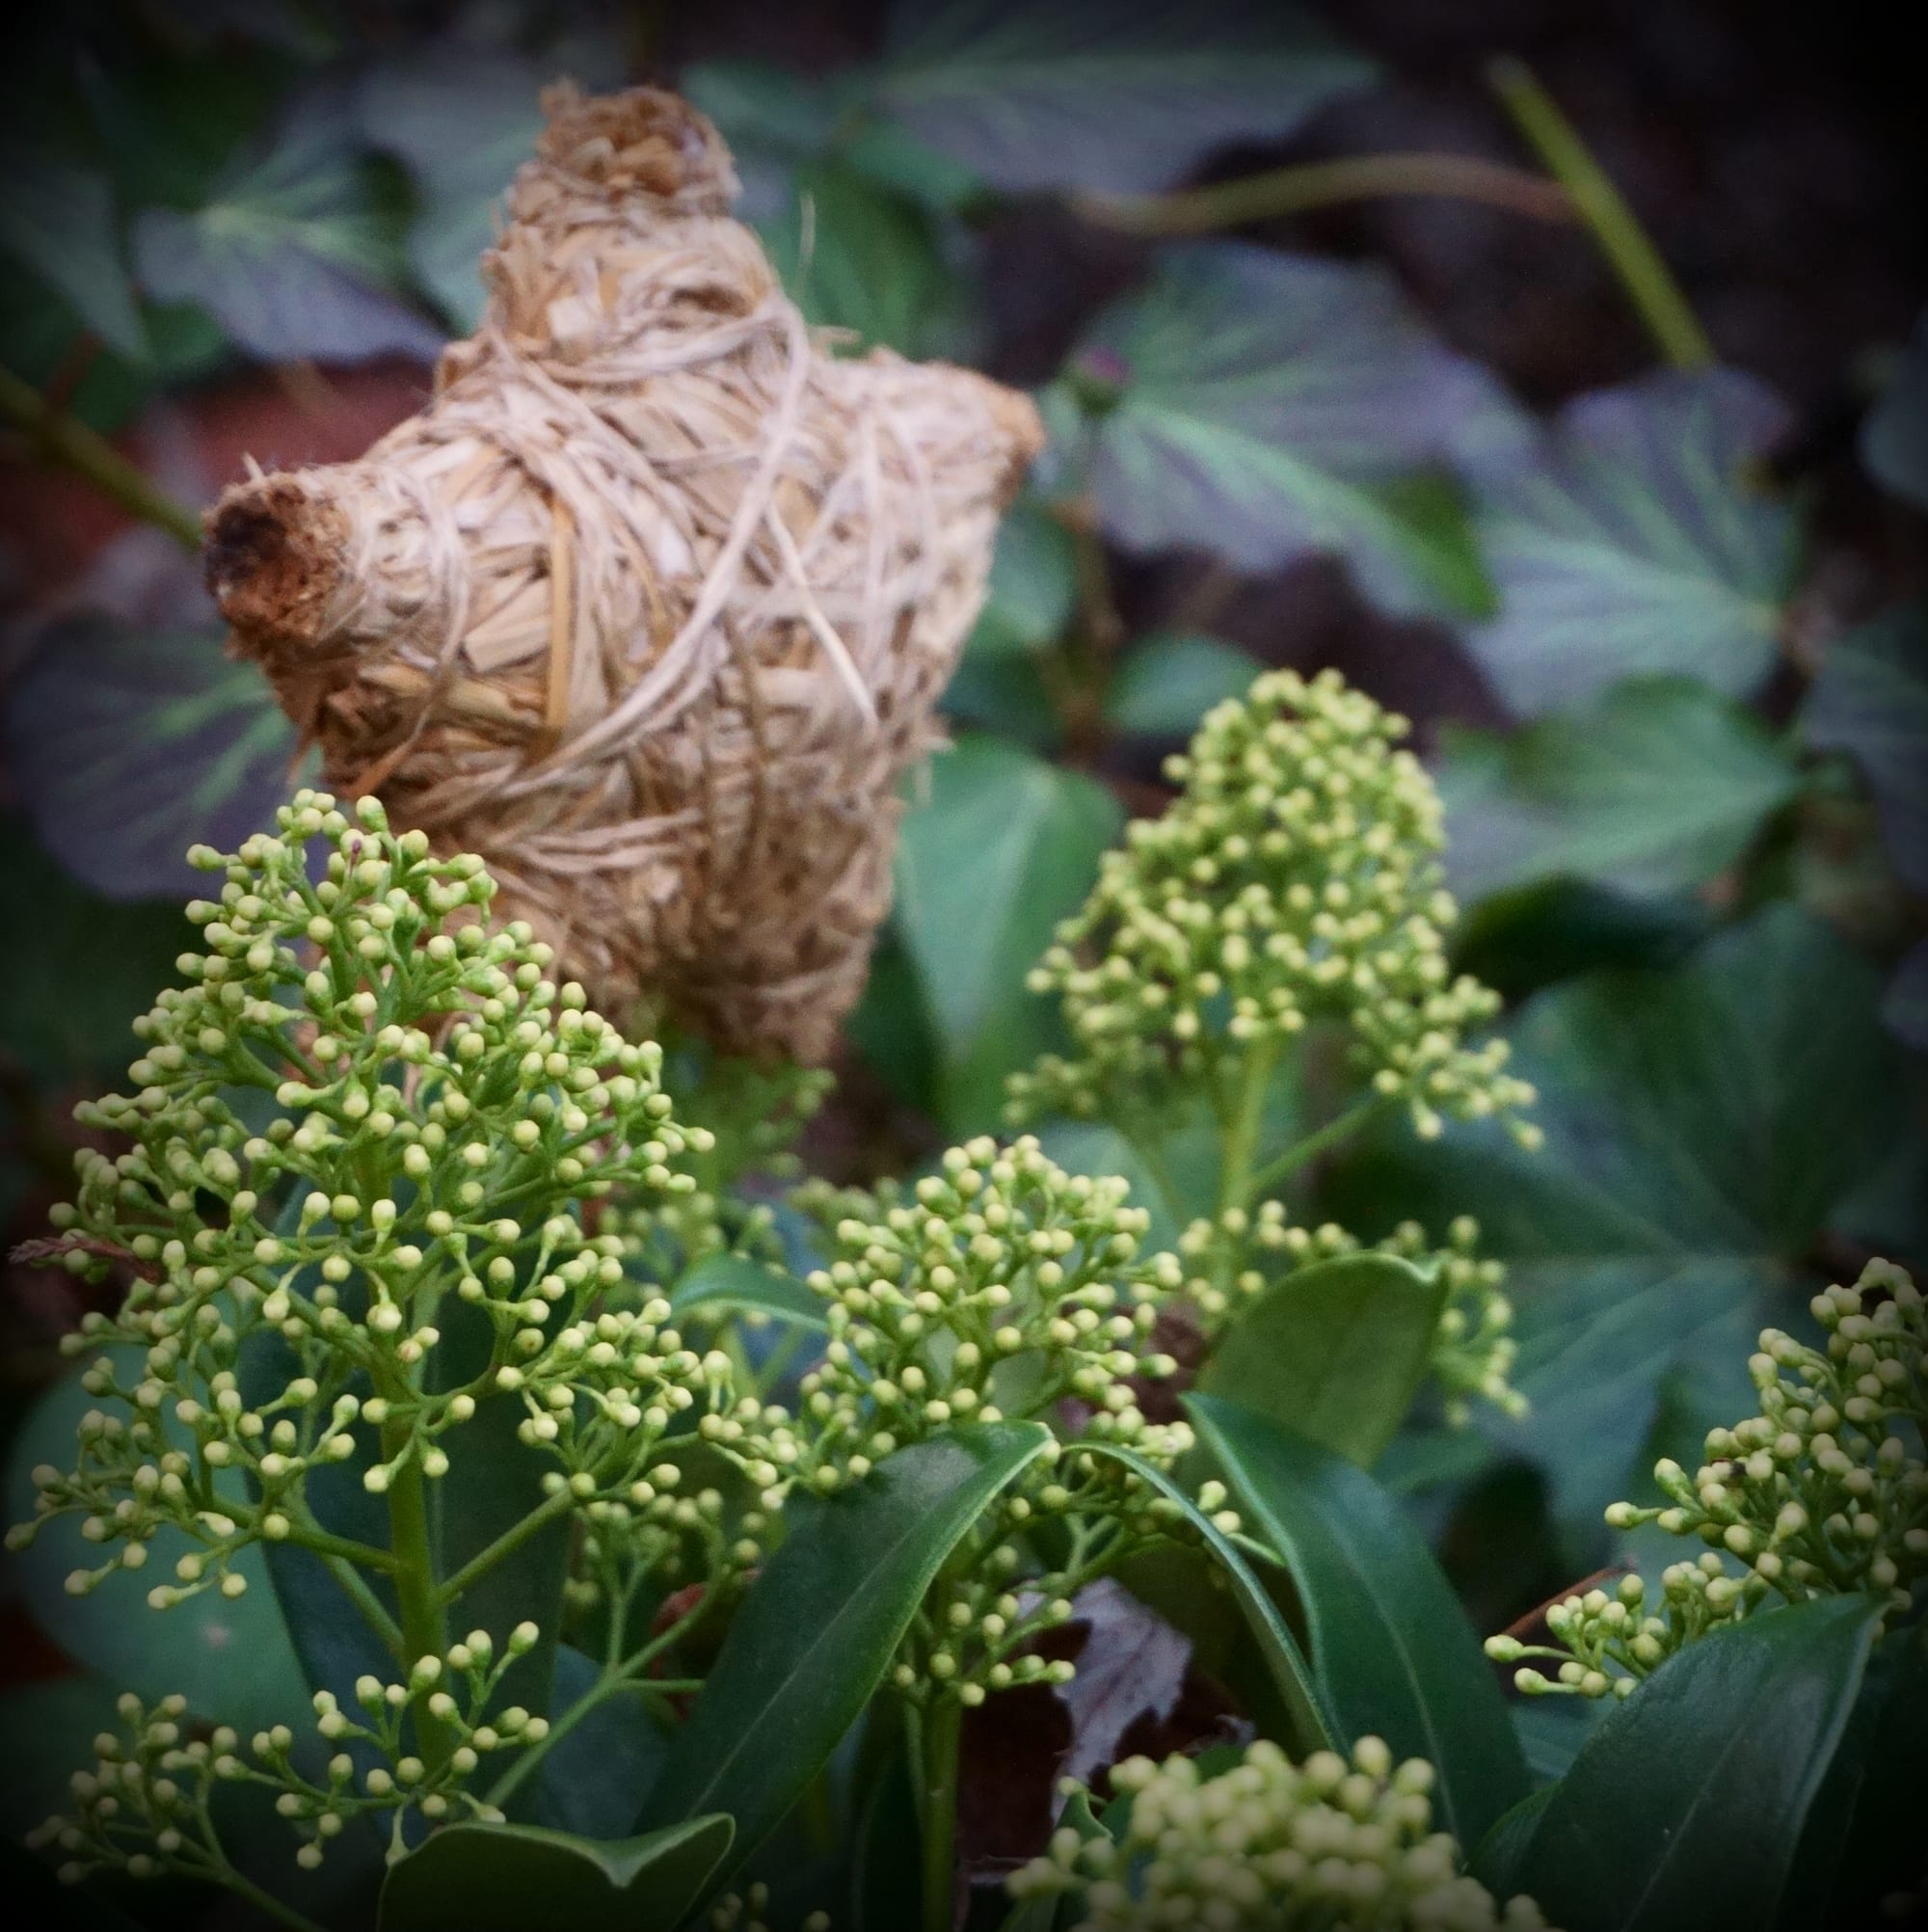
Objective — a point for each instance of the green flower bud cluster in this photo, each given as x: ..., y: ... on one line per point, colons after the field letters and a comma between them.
x: 1233, y: 1259
x: 1293, y: 880
x: 146, y: 1807
x: 740, y: 1912
x: 1268, y: 1846
x: 1003, y: 1287
x: 657, y: 1539
x: 1000, y: 1287
x: 448, y: 1118
x: 1823, y: 1492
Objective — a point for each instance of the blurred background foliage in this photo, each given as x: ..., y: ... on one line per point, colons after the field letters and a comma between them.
x: 1352, y: 353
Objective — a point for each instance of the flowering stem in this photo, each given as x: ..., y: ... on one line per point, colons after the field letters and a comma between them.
x: 422, y: 1630
x: 1629, y: 250
x: 1243, y: 1130
x: 507, y: 1543
x: 1306, y: 185
x: 70, y: 443
x: 1341, y: 1127
x: 935, y: 1733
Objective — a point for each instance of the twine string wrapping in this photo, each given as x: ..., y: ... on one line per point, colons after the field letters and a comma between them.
x: 652, y: 604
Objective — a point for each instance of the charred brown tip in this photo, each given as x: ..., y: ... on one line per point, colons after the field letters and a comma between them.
x: 272, y: 561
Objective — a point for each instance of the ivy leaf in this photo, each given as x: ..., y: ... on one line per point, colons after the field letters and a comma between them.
x: 505, y: 1878
x: 1391, y: 1646
x: 1263, y: 406
x: 815, y: 1636
x: 128, y: 746
x: 1871, y: 702
x: 1894, y: 436
x: 1655, y: 786
x: 462, y: 123
x: 728, y: 1283
x: 1313, y: 1724
x: 59, y: 220
x: 1635, y: 541
x: 93, y: 970
x: 1684, y: 1810
x: 1005, y: 847
x: 1034, y: 584
x: 1120, y: 95
x: 229, y: 1656
x: 1334, y: 1351
x: 293, y: 252
x: 855, y: 257
x: 1169, y: 682
x: 1701, y: 1123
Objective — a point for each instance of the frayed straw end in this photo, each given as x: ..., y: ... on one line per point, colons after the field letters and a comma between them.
x: 274, y: 559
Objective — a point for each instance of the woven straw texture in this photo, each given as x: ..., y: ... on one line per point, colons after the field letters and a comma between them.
x: 652, y: 602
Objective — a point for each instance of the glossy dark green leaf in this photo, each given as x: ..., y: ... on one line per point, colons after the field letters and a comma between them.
x: 293, y: 252
x: 1169, y: 682
x: 1494, y: 1859
x: 1005, y: 847
x: 729, y: 1283
x: 815, y: 1636
x: 1638, y: 542
x: 1701, y: 1123
x: 1391, y: 1647
x: 594, y: 1780
x: 1314, y: 1724
x: 1685, y: 1809
x: 1113, y: 94
x: 130, y: 745
x: 59, y: 220
x: 508, y: 1878
x: 1335, y: 1351
x: 230, y: 1657
x: 1871, y: 702
x: 1894, y: 436
x: 1260, y: 406
x: 1033, y: 583
x: 462, y: 122
x: 93, y: 968
x: 856, y: 256
x: 1656, y: 786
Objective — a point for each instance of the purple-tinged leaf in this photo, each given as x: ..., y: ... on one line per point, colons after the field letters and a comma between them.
x: 1263, y: 406
x: 1638, y: 542
x: 1871, y: 702
x: 1117, y: 96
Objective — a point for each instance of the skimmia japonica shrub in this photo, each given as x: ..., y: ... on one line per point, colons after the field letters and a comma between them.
x: 488, y: 1334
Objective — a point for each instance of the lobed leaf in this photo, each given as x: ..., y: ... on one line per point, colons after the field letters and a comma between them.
x: 1169, y: 682
x: 1655, y: 786
x: 1262, y: 406
x: 1112, y: 95
x: 1638, y: 542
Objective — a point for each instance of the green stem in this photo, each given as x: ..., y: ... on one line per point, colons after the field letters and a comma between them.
x: 1627, y: 246
x: 1306, y: 185
x: 74, y: 447
x: 1240, y: 1146
x: 423, y: 1633
x: 225, y: 1875
x: 936, y: 1772
x: 1339, y: 1128
x: 507, y: 1543
x: 364, y: 1599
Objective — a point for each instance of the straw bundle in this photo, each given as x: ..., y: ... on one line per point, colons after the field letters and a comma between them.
x: 652, y: 602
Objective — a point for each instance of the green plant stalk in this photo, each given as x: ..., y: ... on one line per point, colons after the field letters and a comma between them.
x: 1306, y: 185
x: 1341, y: 1127
x: 934, y: 1762
x: 423, y: 1633
x: 1627, y: 246
x: 74, y: 447
x: 507, y: 1544
x: 265, y: 1902
x: 364, y: 1599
